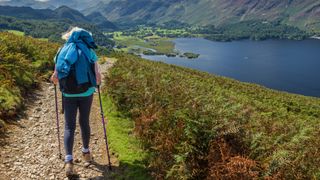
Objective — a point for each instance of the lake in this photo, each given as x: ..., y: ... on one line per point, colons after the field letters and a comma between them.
x: 285, y: 65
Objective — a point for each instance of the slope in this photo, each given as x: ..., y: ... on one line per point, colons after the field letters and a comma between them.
x: 201, y: 126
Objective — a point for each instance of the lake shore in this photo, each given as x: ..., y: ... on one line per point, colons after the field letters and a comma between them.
x: 247, y: 61
x: 315, y: 37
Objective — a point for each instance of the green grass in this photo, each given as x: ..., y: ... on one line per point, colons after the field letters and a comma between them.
x: 124, y: 144
x: 15, y: 32
x: 20, y: 33
x: 43, y: 39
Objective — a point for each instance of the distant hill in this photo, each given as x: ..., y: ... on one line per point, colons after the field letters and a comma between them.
x: 302, y: 13
x: 51, y: 4
x: 51, y: 29
x: 27, y: 3
x: 60, y: 13
x: 64, y: 12
x: 98, y: 19
x: 27, y: 12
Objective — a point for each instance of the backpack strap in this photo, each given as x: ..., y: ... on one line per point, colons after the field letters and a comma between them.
x: 57, y: 55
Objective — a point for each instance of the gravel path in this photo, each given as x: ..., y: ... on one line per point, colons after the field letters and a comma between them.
x: 30, y: 148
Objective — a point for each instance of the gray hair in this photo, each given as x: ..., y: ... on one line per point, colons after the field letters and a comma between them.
x: 67, y: 34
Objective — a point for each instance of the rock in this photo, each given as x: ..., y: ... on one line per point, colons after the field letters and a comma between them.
x: 44, y: 161
x: 36, y: 116
x: 39, y: 102
x: 29, y: 174
x: 38, y: 109
x: 52, y: 159
x: 52, y: 177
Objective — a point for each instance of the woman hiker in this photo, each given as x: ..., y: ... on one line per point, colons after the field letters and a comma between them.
x: 77, y: 73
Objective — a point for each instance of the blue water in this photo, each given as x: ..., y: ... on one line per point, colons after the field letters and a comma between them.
x: 284, y: 65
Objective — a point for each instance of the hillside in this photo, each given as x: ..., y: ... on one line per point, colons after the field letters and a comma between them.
x: 302, y: 13
x: 200, y: 126
x: 51, y: 29
x: 100, y: 21
x: 23, y: 61
x: 59, y: 14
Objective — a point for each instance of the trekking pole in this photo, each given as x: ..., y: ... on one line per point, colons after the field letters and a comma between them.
x: 57, y: 117
x: 104, y: 128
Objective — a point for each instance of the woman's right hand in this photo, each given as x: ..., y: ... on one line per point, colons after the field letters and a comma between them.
x: 98, y: 78
x: 54, y: 78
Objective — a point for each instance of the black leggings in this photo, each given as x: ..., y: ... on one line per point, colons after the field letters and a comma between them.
x: 71, y: 106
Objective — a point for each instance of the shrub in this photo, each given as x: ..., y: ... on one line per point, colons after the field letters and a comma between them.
x: 23, y: 60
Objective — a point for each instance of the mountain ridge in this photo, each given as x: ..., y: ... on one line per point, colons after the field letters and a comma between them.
x: 304, y: 14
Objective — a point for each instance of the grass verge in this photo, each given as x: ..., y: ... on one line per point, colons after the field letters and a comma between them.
x: 124, y: 144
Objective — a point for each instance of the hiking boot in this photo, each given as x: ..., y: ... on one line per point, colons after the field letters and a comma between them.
x: 69, y: 169
x: 87, y: 159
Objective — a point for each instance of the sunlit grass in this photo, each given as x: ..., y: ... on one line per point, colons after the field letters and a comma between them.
x: 122, y: 142
x: 15, y: 32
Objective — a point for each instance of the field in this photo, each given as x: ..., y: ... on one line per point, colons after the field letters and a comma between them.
x: 200, y: 126
x: 134, y: 43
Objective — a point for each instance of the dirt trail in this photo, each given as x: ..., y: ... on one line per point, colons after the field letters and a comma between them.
x: 30, y: 148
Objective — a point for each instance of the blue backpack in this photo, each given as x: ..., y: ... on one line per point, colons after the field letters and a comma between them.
x: 75, y: 64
